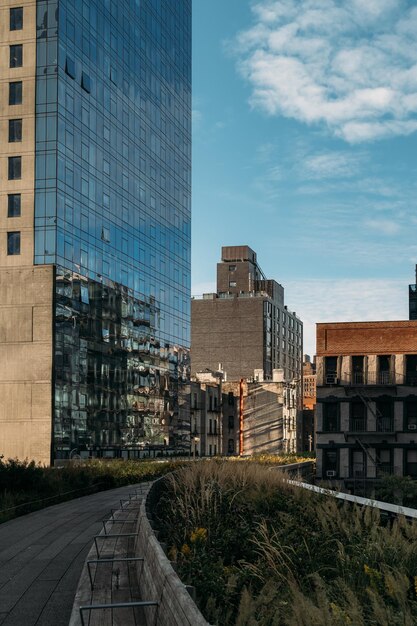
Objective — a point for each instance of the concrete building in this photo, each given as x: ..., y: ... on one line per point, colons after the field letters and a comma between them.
x: 245, y: 417
x: 366, y: 401
x: 95, y: 134
x: 206, y: 406
x: 309, y: 404
x: 245, y: 326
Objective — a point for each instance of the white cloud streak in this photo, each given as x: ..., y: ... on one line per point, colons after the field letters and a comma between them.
x: 350, y: 65
x: 345, y: 300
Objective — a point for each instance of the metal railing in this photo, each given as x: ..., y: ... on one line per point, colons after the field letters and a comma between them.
x: 366, y: 378
x: 358, y: 471
x: 382, y: 425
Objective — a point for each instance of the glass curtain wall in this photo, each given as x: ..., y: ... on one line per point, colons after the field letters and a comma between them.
x: 112, y: 213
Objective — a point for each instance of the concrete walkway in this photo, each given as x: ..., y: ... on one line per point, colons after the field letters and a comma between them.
x: 42, y: 555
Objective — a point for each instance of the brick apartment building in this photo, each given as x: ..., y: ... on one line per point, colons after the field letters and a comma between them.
x: 366, y: 401
x: 245, y: 326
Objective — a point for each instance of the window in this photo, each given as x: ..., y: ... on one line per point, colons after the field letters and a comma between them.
x: 384, y: 463
x: 411, y: 463
x: 330, y: 463
x: 15, y: 92
x: 232, y: 283
x: 331, y: 366
x: 384, y: 415
x: 357, y: 464
x: 15, y: 131
x: 16, y: 55
x: 86, y: 82
x: 70, y: 67
x: 331, y: 417
x: 13, y: 243
x: 16, y: 18
x: 230, y: 398
x: 357, y: 416
x: 15, y: 168
x: 232, y: 268
x: 13, y: 205
x: 231, y: 446
x: 410, y: 412
x: 231, y: 422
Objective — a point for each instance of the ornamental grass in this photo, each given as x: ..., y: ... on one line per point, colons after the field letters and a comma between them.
x: 262, y: 552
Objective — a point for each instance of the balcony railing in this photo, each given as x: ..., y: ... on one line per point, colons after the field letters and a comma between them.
x: 371, y: 378
x: 357, y: 425
x: 358, y: 471
x: 382, y: 378
x: 382, y: 425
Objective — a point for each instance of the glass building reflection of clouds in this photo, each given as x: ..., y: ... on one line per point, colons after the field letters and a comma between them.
x: 112, y: 212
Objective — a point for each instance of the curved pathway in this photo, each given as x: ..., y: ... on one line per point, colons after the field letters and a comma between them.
x: 42, y: 555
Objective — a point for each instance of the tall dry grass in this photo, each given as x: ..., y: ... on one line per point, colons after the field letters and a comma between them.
x: 262, y: 552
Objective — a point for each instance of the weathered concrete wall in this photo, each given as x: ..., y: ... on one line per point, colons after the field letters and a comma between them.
x: 159, y: 580
x: 26, y: 303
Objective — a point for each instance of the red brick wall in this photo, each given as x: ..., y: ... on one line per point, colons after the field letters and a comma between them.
x: 350, y: 338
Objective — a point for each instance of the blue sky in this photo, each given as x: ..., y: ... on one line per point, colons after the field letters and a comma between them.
x: 304, y: 148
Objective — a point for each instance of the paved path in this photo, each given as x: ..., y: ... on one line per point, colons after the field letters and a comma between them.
x: 42, y: 555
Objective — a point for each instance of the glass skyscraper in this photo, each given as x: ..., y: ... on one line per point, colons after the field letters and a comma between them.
x: 111, y: 137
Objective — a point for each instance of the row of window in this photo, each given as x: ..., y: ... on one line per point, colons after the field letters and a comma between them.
x: 15, y: 132
x: 357, y: 466
x: 358, y: 415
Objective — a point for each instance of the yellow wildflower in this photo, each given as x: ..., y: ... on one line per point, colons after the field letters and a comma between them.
x: 199, y: 534
x: 186, y: 550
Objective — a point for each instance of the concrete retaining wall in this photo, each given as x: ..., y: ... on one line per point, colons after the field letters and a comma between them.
x: 158, y: 580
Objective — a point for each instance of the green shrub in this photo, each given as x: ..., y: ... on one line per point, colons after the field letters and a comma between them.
x: 25, y: 486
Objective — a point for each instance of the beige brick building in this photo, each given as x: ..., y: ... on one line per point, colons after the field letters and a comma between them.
x: 26, y: 290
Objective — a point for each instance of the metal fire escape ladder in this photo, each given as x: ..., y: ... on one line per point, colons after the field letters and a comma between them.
x: 378, y: 416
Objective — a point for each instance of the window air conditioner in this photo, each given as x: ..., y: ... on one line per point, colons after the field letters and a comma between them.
x: 412, y: 426
x: 330, y: 473
x: 331, y: 380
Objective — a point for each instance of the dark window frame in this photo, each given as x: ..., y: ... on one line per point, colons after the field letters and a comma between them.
x: 14, y: 209
x: 86, y: 82
x: 13, y: 243
x: 15, y: 130
x: 408, y: 414
x: 328, y: 419
x: 13, y: 166
x: 13, y: 101
x: 16, y: 55
x: 16, y: 18
x: 70, y: 68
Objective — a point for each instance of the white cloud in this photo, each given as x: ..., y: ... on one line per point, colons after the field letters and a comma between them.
x: 386, y: 227
x: 346, y: 300
x: 331, y: 165
x: 351, y: 65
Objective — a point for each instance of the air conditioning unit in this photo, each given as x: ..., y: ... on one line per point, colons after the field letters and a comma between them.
x: 331, y: 380
x: 330, y: 473
x: 412, y: 426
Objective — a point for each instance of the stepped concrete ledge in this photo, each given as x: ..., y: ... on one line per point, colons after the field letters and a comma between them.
x: 151, y: 580
x: 42, y: 555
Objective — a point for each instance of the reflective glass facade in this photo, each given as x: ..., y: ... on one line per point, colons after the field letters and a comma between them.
x: 112, y: 212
